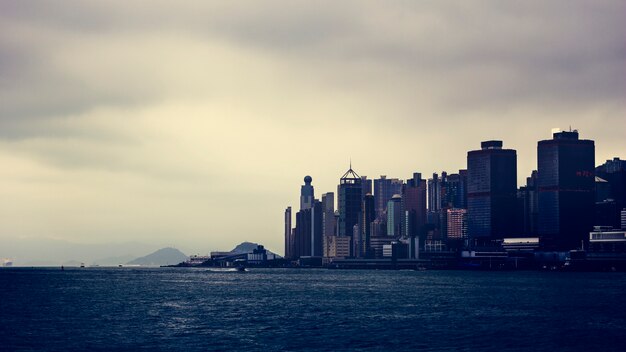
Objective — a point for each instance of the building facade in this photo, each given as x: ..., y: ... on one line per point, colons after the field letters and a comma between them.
x: 565, y: 180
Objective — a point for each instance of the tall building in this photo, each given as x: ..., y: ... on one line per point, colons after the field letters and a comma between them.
x: 434, y: 193
x: 491, y: 192
x: 529, y: 206
x: 288, y: 236
x: 349, y: 202
x: 328, y: 218
x: 366, y: 186
x: 614, y: 173
x: 455, y: 194
x: 307, y: 194
x: 565, y: 180
x: 414, y: 205
x: 309, y: 224
x: 457, y: 226
x: 384, y: 189
x: 394, y: 216
x: 367, y: 217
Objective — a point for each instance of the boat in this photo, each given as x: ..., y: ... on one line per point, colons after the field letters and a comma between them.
x: 7, y: 262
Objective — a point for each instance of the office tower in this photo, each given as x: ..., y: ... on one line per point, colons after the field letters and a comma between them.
x: 306, y: 194
x: 528, y: 211
x: 491, y: 192
x: 394, y: 216
x: 384, y: 189
x: 414, y: 205
x: 309, y: 223
x: 368, y: 216
x: 366, y: 186
x: 288, y: 239
x: 455, y: 190
x: 349, y: 202
x: 328, y: 217
x: 457, y: 226
x: 614, y: 173
x: 434, y: 193
x: 565, y: 180
x: 308, y: 241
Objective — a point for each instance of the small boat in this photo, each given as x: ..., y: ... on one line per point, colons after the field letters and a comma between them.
x: 82, y: 265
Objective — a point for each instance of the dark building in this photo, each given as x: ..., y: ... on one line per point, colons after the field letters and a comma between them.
x: 491, y: 192
x: 455, y: 194
x: 368, y: 216
x: 414, y: 205
x: 565, y: 181
x: 349, y: 202
x: 610, y: 190
x: 384, y: 190
x: 308, y: 234
x: 528, y: 207
x: 289, y: 243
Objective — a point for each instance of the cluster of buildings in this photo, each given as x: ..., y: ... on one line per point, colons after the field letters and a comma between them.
x: 566, y: 204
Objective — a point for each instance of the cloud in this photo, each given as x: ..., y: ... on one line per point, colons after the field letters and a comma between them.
x: 172, y: 123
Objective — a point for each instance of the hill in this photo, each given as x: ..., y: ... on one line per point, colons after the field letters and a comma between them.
x: 164, y: 256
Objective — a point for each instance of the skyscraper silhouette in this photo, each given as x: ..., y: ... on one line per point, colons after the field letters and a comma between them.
x: 491, y: 192
x: 565, y: 179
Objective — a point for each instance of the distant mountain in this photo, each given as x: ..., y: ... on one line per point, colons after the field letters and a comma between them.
x: 164, y: 256
x: 248, y: 247
x: 245, y: 247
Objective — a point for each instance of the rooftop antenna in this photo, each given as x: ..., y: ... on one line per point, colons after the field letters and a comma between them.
x: 350, y: 163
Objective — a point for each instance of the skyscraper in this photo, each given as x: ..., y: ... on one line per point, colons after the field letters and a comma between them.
x: 328, y: 218
x: 414, y: 205
x: 307, y: 194
x: 367, y: 217
x: 288, y: 235
x: 349, y: 202
x: 309, y: 229
x: 565, y: 180
x: 384, y: 189
x: 491, y: 192
x: 394, y: 216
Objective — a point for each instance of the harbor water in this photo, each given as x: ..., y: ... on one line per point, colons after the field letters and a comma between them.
x: 192, y: 309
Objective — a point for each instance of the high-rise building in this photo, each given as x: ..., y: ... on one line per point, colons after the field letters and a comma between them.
x: 414, y: 205
x: 308, y: 241
x: 457, y: 226
x: 491, y: 192
x: 434, y: 193
x: 288, y: 236
x: 565, y: 180
x: 328, y: 218
x: 529, y: 207
x: 614, y: 173
x: 384, y: 189
x: 394, y: 216
x: 349, y: 202
x: 307, y: 194
x: 368, y: 215
x: 455, y: 195
x: 366, y: 186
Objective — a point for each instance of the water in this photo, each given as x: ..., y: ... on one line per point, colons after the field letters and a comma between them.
x: 317, y: 310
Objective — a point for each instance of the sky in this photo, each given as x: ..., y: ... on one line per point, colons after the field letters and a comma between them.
x: 193, y: 124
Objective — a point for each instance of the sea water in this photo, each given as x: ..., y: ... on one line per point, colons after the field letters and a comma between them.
x: 192, y: 309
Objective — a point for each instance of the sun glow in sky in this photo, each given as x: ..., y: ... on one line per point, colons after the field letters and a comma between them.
x: 192, y: 124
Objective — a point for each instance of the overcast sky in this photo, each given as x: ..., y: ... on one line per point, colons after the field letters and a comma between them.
x: 193, y: 123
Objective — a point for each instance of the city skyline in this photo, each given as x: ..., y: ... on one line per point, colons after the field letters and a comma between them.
x: 121, y: 122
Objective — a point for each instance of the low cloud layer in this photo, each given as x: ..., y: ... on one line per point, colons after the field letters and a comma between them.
x: 193, y: 125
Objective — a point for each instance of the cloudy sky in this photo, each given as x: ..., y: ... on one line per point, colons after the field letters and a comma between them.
x: 193, y: 124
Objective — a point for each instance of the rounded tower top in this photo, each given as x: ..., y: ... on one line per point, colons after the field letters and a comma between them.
x: 308, y: 179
